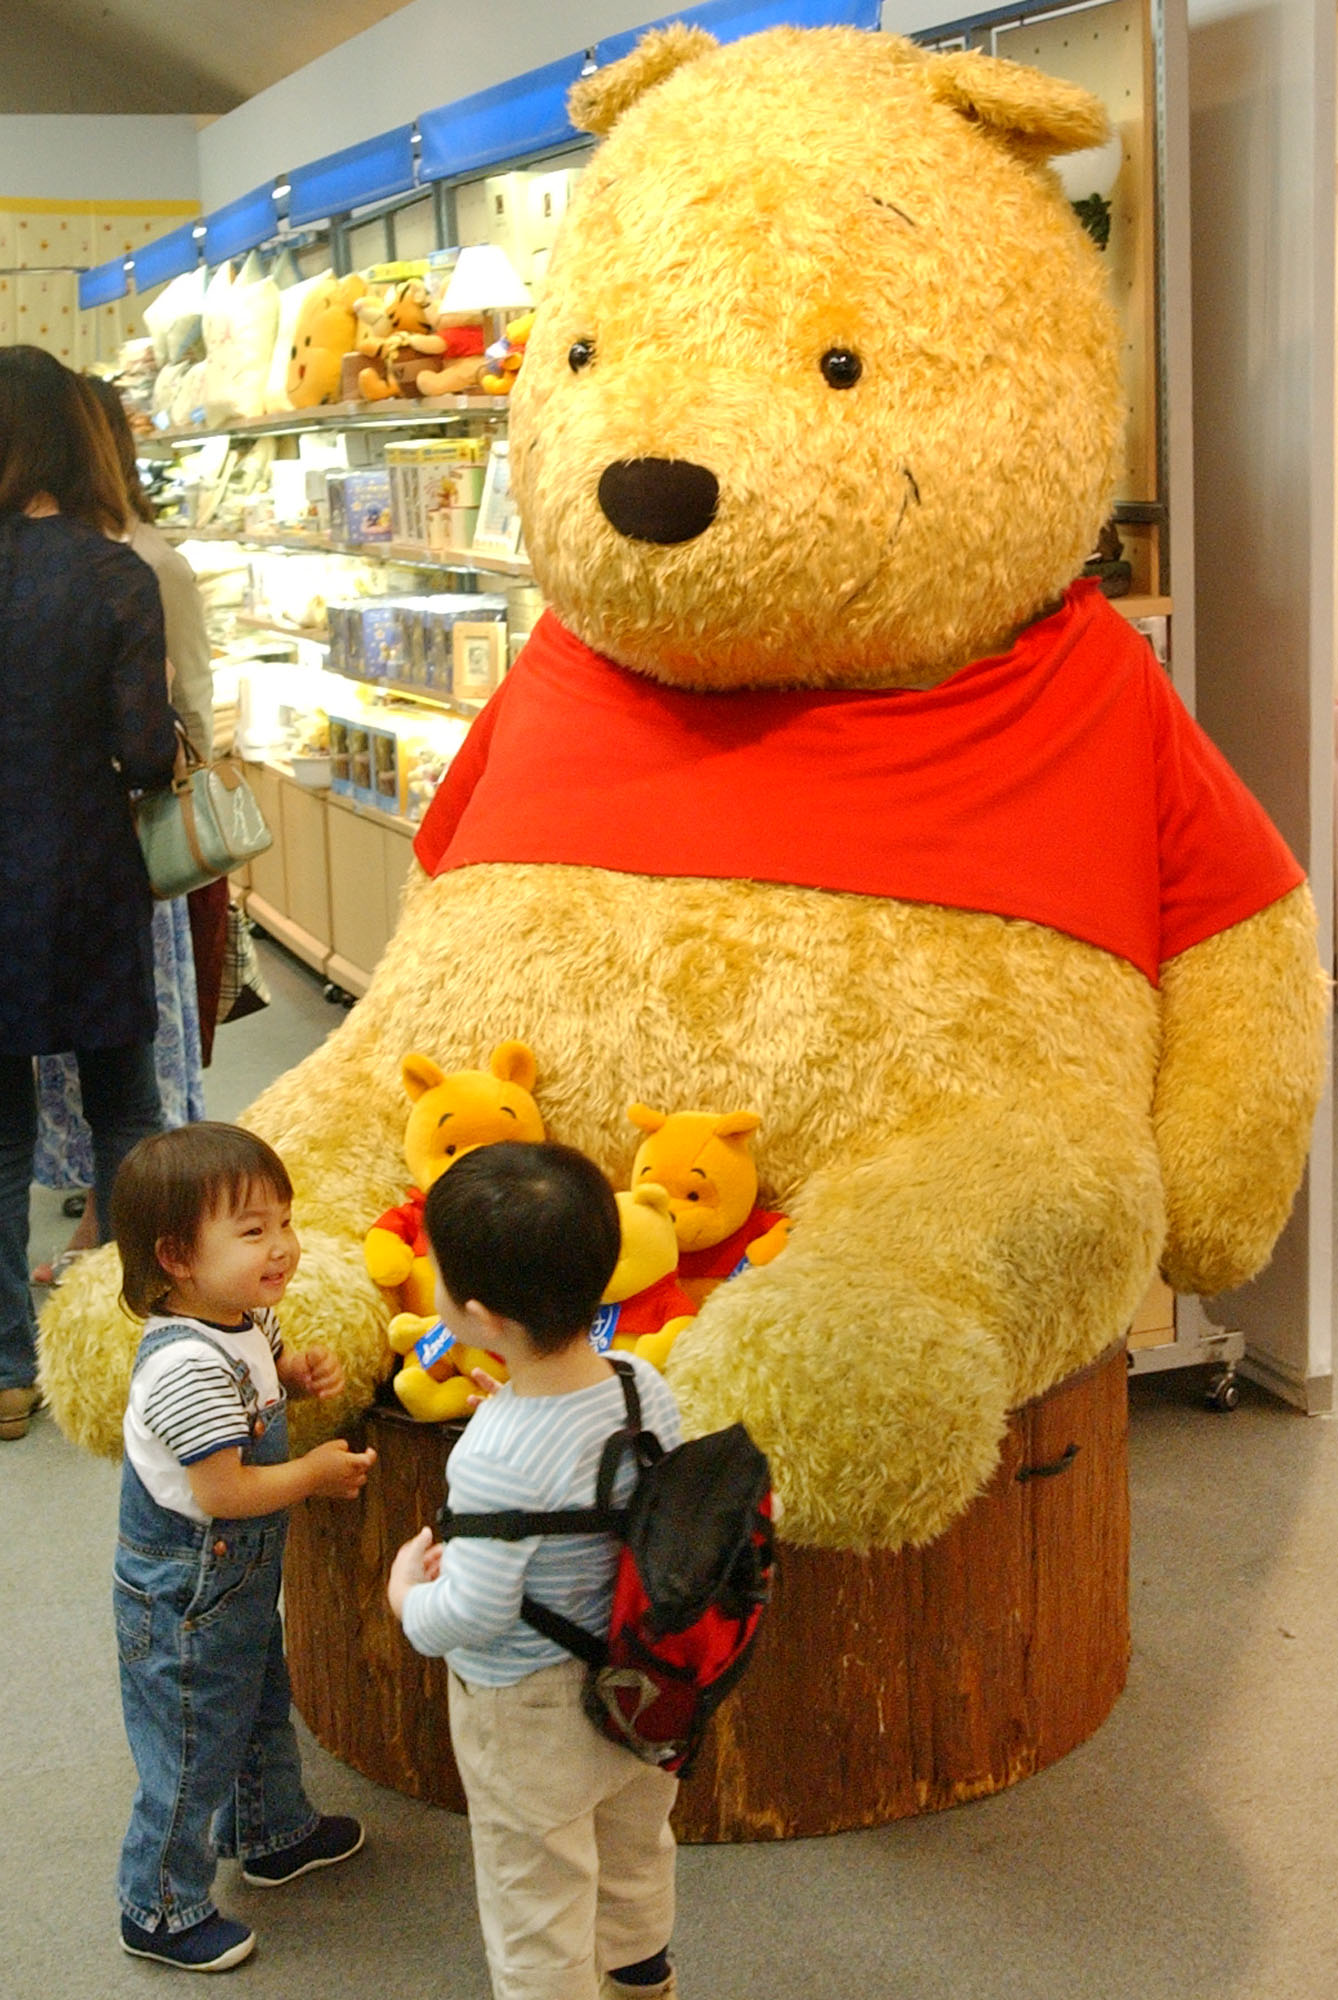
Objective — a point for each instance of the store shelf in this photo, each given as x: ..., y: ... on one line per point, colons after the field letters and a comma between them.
x: 314, y: 635
x: 391, y: 414
x: 1142, y: 607
x: 404, y: 553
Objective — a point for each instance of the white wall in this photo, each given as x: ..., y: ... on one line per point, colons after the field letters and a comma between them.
x: 109, y: 158
x: 429, y: 53
x: 1262, y: 162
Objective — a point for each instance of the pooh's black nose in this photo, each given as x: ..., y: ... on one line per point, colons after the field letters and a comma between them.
x: 659, y: 499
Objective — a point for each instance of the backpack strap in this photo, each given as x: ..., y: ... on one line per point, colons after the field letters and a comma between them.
x: 514, y: 1525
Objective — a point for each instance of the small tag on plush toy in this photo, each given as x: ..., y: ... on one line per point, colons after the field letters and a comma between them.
x: 433, y: 1347
x: 603, y: 1327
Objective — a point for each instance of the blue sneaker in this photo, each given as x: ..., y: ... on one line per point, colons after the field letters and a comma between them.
x: 215, y: 1944
x: 333, y: 1839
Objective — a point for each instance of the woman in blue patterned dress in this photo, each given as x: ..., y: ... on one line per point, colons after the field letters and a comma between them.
x: 84, y: 719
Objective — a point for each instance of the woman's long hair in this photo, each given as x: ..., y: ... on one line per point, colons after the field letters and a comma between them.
x: 55, y: 440
x: 109, y: 402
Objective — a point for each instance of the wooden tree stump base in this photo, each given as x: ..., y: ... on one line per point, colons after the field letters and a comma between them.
x: 884, y: 1685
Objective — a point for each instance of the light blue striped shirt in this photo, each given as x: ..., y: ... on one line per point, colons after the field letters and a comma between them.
x: 536, y: 1453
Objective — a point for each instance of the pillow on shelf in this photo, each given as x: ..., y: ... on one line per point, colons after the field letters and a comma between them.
x: 173, y: 319
x: 291, y: 298
x: 240, y: 321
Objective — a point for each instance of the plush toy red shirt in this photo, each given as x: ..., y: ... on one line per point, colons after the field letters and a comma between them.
x: 406, y: 1222
x: 1063, y: 782
x: 725, y: 1259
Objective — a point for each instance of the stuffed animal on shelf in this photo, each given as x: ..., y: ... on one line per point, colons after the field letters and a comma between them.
x: 326, y: 329
x: 644, y: 1308
x: 451, y: 1115
x: 462, y: 359
x: 702, y: 1160
x: 434, y: 1382
x: 398, y: 340
x: 823, y: 787
x: 505, y: 356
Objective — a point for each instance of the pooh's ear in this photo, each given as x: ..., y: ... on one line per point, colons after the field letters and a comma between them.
x: 1036, y: 114
x: 647, y: 1120
x: 736, y: 1124
x: 649, y: 1194
x: 420, y: 1073
x: 597, y: 102
x: 513, y: 1062
x: 349, y: 290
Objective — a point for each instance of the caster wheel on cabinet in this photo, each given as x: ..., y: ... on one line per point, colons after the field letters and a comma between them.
x: 1223, y: 1392
x: 334, y: 994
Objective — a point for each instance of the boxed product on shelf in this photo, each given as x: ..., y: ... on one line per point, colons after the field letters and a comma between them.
x: 359, y: 504
x: 478, y: 657
x: 427, y: 627
x: 366, y: 639
x: 432, y: 475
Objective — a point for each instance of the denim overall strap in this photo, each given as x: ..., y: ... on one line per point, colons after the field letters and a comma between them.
x: 267, y: 1423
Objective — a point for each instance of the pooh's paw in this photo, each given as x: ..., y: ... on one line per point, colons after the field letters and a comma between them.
x: 388, y: 1257
x: 429, y: 1402
x: 86, y: 1349
x: 880, y: 1408
x: 406, y: 1329
x: 763, y: 1249
x: 656, y: 1347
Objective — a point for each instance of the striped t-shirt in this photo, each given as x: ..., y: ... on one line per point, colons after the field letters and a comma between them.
x: 536, y: 1453
x: 185, y: 1405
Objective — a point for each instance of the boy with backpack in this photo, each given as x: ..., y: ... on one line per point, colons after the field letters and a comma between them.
x: 573, y: 1852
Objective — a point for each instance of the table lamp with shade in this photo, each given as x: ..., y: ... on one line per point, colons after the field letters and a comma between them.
x: 485, y: 282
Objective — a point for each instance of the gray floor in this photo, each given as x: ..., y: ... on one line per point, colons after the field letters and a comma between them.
x: 1189, y: 1851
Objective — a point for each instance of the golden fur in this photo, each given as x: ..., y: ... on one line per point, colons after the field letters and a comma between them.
x: 987, y: 1133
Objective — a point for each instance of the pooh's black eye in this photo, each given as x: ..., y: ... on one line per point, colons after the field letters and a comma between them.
x: 580, y: 354
x: 841, y: 369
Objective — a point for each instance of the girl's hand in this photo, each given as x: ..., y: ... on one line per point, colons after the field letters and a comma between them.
x: 311, y: 1371
x: 336, y: 1472
x: 418, y: 1561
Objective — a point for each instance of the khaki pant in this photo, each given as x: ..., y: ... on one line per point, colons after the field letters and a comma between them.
x: 573, y: 1852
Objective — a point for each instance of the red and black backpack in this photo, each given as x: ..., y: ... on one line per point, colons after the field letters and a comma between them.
x: 693, y: 1578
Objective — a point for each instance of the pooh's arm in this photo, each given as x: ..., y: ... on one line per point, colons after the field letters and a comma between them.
x: 1243, y: 1041
x: 924, y: 1292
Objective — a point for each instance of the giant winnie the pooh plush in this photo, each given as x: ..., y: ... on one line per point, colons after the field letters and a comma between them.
x: 824, y: 789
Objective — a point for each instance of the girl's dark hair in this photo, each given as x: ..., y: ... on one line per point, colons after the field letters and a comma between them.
x: 171, y: 1183
x: 109, y: 402
x: 54, y: 439
x: 530, y: 1231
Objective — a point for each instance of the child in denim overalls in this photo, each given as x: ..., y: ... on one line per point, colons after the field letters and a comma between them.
x: 202, y: 1216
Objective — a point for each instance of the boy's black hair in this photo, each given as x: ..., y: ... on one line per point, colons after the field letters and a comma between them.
x: 529, y: 1230
x: 169, y: 1184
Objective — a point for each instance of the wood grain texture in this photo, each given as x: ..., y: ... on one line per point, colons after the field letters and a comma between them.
x: 884, y: 1685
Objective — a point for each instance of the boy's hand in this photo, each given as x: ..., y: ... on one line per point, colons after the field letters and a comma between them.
x: 418, y: 1561
x: 336, y: 1472
x: 486, y: 1384
x: 311, y: 1371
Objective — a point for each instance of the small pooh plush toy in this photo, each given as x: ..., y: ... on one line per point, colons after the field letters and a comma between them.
x: 826, y: 787
x: 326, y: 331
x: 435, y: 1380
x: 702, y: 1161
x: 451, y: 1115
x: 644, y: 1307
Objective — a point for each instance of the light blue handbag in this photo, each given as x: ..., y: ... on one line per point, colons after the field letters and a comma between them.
x: 203, y: 825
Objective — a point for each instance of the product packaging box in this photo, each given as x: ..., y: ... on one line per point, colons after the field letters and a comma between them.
x: 341, y: 773
x: 366, y: 497
x: 478, y: 657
